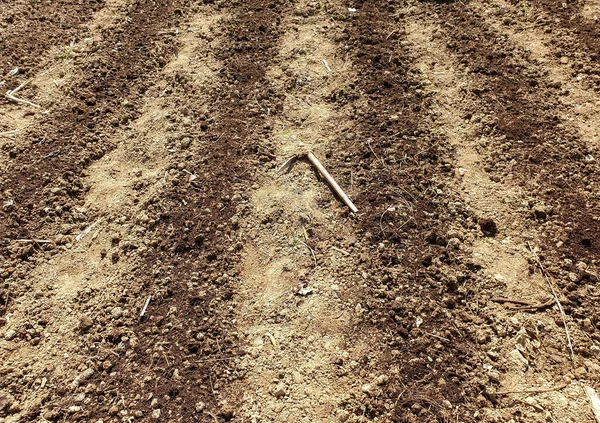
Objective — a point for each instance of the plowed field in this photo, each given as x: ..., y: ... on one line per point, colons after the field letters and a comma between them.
x: 157, y: 263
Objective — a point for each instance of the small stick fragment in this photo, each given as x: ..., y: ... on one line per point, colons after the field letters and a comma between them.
x: 339, y: 250
x: 535, y: 406
x: 375, y: 154
x: 536, y: 307
x: 9, y: 133
x: 39, y: 241
x: 331, y: 181
x: 20, y: 100
x: 11, y: 95
x: 594, y: 401
x: 437, y: 336
x: 503, y: 300
x: 326, y: 65
x: 524, y: 305
x: 169, y: 32
x: 212, y: 415
x: 560, y: 308
x: 287, y: 163
x: 205, y: 360
x: 272, y: 339
x: 87, y: 230
x: 192, y: 175
x: 311, y: 251
x: 20, y: 87
x: 146, y: 306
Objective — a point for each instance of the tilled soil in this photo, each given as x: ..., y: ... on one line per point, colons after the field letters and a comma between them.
x: 156, y: 265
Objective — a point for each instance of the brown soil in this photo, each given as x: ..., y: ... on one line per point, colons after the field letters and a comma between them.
x: 465, y: 132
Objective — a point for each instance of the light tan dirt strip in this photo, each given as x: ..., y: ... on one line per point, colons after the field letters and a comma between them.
x: 298, y: 329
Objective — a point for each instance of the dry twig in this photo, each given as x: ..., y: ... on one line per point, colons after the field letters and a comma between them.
x: 503, y: 300
x: 35, y: 241
x: 391, y: 33
x: 311, y: 251
x: 524, y: 305
x: 9, y: 133
x: 323, y: 172
x: 311, y: 157
x: 339, y: 250
x: 437, y: 336
x: 558, y: 304
x: 272, y: 339
x: 87, y: 230
x: 375, y: 154
x: 287, y: 164
x: 146, y: 306
x: 11, y: 95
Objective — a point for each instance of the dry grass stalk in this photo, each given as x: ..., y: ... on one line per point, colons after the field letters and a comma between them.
x: 11, y: 95
x: 558, y: 304
x: 9, y: 133
x: 146, y: 304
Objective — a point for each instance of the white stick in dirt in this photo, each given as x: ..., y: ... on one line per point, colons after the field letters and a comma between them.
x: 331, y: 181
x: 326, y: 65
x: 594, y: 401
x: 87, y: 230
x: 9, y: 133
x: 558, y: 304
x: 11, y: 95
x: 20, y: 100
x: 146, y: 306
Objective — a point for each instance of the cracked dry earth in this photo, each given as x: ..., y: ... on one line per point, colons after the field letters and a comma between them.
x: 156, y: 266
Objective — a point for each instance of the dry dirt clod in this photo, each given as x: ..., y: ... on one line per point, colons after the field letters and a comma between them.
x: 10, y: 334
x: 279, y: 392
x: 488, y: 227
x: 7, y: 402
x: 85, y: 323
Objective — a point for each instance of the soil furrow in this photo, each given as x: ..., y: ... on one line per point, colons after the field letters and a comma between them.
x: 533, y: 147
x: 295, y: 312
x: 416, y: 272
x: 571, y: 18
x: 503, y: 258
x: 561, y: 74
x: 527, y: 134
x: 173, y: 363
x: 56, y: 71
x: 122, y: 182
x: 60, y: 147
x: 39, y: 274
x: 29, y: 29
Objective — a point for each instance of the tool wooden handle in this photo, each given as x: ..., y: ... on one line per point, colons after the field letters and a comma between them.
x: 331, y: 181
